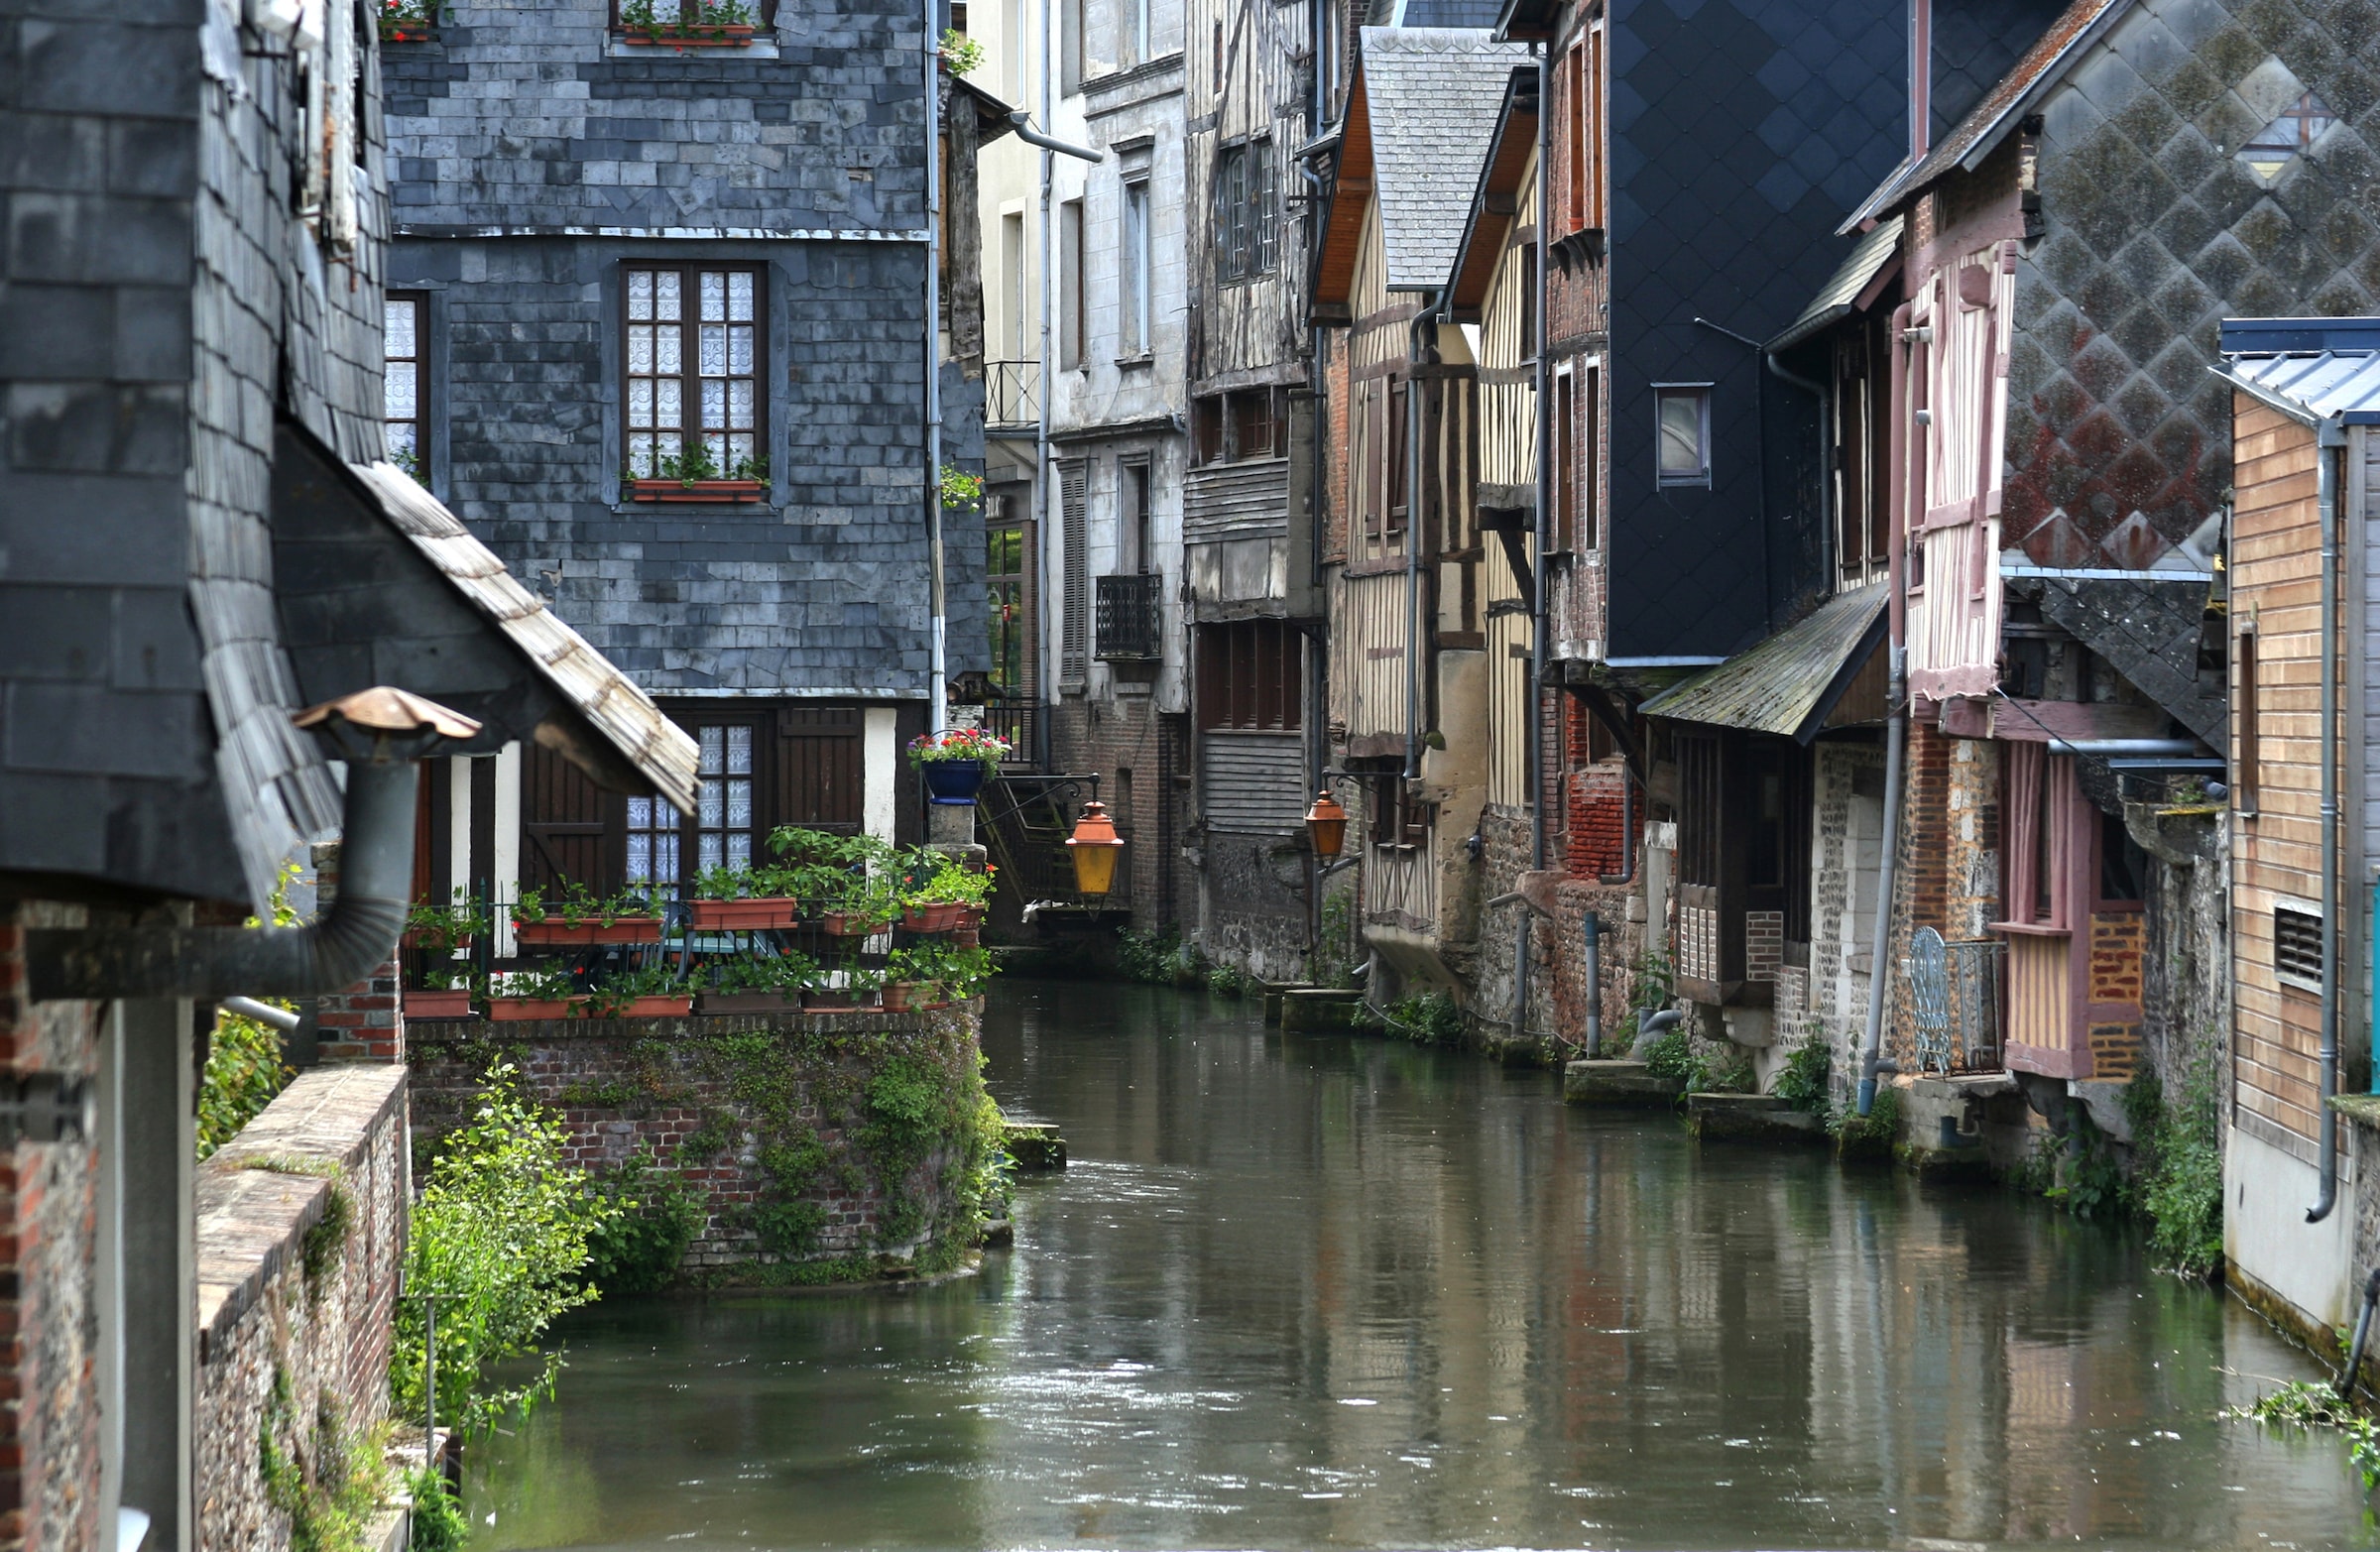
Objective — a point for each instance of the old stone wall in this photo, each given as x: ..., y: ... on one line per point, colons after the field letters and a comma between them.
x: 301, y: 1242
x: 1253, y: 911
x: 2185, y: 965
x: 1141, y: 755
x: 783, y: 1123
x: 1847, y: 810
x: 49, y: 1207
x: 1949, y: 858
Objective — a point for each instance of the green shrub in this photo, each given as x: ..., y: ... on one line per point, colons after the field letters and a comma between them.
x: 1873, y: 1135
x: 439, y: 1524
x: 1803, y: 1083
x: 2180, y: 1153
x: 1335, y: 957
x: 1147, y: 955
x: 327, y: 1479
x: 1426, y: 1017
x: 499, y: 1236
x: 1670, y: 1056
x: 1228, y: 981
x: 244, y: 1069
x: 655, y: 1214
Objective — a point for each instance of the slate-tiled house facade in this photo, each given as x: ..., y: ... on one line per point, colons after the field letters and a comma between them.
x: 601, y: 240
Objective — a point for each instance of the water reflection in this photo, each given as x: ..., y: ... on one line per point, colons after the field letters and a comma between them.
x: 1304, y: 1291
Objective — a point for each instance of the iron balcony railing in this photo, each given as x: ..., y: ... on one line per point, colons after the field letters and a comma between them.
x: 1013, y: 720
x: 1012, y: 394
x: 1131, y: 619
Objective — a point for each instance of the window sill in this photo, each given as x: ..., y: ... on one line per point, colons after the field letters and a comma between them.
x: 2030, y: 930
x: 744, y: 44
x: 1143, y: 359
x: 716, y: 492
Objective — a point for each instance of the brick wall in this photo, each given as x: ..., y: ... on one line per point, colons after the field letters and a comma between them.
x: 659, y: 1084
x: 48, y: 1217
x: 1115, y: 734
x: 319, y: 1336
x: 1949, y: 854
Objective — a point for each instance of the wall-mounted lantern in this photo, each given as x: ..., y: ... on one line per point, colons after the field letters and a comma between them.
x: 1095, y: 847
x: 1326, y: 824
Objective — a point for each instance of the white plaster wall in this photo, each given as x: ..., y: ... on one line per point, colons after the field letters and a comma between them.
x: 880, y: 761
x: 2266, y: 1236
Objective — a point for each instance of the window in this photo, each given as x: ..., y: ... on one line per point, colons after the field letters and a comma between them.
x: 1526, y: 253
x: 1015, y: 37
x: 1242, y: 424
x: 2123, y: 864
x: 1587, y: 466
x: 1075, y: 607
x: 2247, y: 758
x: 1566, y: 462
x: 1136, y: 41
x: 2040, y: 804
x: 723, y: 797
x: 1070, y: 47
x: 691, y: 11
x: 403, y: 381
x: 2298, y: 947
x: 1581, y: 190
x: 692, y: 407
x: 1016, y: 297
x: 2300, y: 125
x: 653, y: 831
x: 1246, y: 222
x: 1133, y: 532
x: 1249, y: 674
x: 1682, y: 412
x: 1004, y: 577
x: 1133, y: 302
x: 1070, y: 281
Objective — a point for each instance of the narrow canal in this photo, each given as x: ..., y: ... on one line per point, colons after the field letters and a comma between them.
x: 1300, y: 1291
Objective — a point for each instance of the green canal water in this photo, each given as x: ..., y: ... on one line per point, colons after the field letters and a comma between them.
x: 1302, y: 1291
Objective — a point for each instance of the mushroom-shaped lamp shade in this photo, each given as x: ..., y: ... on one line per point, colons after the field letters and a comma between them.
x: 1095, y: 846
x: 1326, y: 823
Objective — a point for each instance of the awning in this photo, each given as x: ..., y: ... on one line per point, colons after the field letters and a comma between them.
x: 1788, y: 684
x: 1841, y: 294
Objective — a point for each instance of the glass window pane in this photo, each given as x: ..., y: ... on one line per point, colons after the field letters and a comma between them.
x: 400, y: 389
x: 714, y: 401
x: 639, y: 813
x: 739, y: 750
x: 738, y: 403
x: 739, y: 852
x: 1682, y: 433
x: 668, y: 350
x: 739, y: 295
x: 640, y: 454
x: 403, y: 437
x: 714, y: 295
x: 739, y: 805
x: 400, y: 327
x: 664, y: 853
x: 713, y: 742
x: 714, y: 349
x: 709, y: 852
x: 667, y: 409
x: 739, y: 351
x: 639, y: 856
x: 640, y: 347
x: 739, y: 449
x: 640, y: 401
x: 640, y: 294
x: 666, y: 445
x: 710, y: 806
x: 665, y: 293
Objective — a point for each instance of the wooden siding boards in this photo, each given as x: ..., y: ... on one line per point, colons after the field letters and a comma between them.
x: 2275, y: 575
x: 1253, y: 783
x: 1237, y: 501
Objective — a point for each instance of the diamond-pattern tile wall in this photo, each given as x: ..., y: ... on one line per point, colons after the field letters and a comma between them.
x: 2157, y: 229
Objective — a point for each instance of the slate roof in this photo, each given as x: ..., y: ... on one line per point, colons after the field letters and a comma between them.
x: 2324, y: 367
x: 1435, y: 93
x: 661, y: 751
x: 1788, y: 684
x: 2148, y: 630
x: 2001, y: 109
x: 1841, y: 293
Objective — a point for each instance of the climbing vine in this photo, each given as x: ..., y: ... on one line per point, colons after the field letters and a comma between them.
x: 327, y: 1478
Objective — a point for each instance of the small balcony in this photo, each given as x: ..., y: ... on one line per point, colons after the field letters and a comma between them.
x: 1011, y: 397
x: 1130, y: 618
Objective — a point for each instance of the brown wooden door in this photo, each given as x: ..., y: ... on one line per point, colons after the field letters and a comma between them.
x: 820, y: 776
x: 568, y: 825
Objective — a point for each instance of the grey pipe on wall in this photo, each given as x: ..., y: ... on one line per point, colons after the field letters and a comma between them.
x: 2330, y: 443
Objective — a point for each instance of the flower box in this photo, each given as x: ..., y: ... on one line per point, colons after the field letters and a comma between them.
x: 502, y: 1009
x: 832, y: 1000
x: 453, y: 1002
x: 747, y: 1002
x: 729, y: 35
x: 407, y: 32
x: 746, y: 915
x: 678, y: 1007
x: 932, y: 917
x: 849, y: 924
x: 897, y: 996
x: 619, y: 929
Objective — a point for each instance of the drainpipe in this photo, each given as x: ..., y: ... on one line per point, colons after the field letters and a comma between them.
x: 1896, y: 724
x: 937, y: 714
x: 1545, y: 472
x: 382, y: 734
x: 1045, y: 642
x: 2330, y: 439
x: 2371, y: 1001
x: 1592, y: 963
x: 2128, y: 748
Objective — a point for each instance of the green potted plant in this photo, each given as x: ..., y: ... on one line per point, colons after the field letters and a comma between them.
x: 903, y: 969
x: 442, y: 930
x: 653, y: 992
x: 943, y: 892
x: 584, y: 917
x: 688, y: 24
x: 446, y: 993
x: 409, y: 20
x: 865, y: 907
x: 957, y: 762
x: 769, y: 983
x: 744, y: 899
x: 548, y: 991
x: 846, y: 989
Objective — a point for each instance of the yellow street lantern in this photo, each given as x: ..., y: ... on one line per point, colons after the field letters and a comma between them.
x: 1095, y: 847
x: 1326, y: 822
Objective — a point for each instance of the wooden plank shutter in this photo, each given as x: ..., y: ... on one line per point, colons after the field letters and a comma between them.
x: 567, y: 824
x: 820, y: 771
x: 1075, y: 622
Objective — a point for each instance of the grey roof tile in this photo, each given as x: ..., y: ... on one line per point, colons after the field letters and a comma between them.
x: 1434, y: 93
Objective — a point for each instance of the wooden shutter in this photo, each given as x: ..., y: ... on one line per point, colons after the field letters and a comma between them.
x: 566, y: 824
x: 1076, y: 621
x: 820, y: 773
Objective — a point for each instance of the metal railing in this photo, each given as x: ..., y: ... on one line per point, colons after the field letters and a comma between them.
x: 1012, y: 720
x: 1025, y: 820
x: 1954, y: 991
x: 1130, y: 618
x: 1012, y: 394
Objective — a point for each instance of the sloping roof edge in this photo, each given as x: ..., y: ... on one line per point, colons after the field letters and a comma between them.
x: 1521, y: 111
x: 2309, y: 369
x: 1838, y: 297
x: 1784, y: 685
x: 1987, y: 123
x: 613, y: 705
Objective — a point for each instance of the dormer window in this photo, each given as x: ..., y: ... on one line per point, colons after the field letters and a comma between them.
x: 2304, y: 122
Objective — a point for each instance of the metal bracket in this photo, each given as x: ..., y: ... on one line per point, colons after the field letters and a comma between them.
x: 45, y: 1107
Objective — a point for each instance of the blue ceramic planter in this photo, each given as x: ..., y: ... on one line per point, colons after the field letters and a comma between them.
x: 953, y: 781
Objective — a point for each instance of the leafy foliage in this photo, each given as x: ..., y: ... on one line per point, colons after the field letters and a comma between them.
x: 244, y: 1069
x: 1158, y: 955
x: 655, y: 1214
x: 439, y: 1524
x: 1870, y: 1135
x: 328, y: 1479
x: 1427, y: 1017
x: 1228, y: 981
x: 1333, y: 963
x: 2315, y: 1404
x: 2180, y: 1153
x: 499, y: 1236
x: 1803, y: 1083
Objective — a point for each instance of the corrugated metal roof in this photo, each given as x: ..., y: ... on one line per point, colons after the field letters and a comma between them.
x: 1435, y: 94
x: 1835, y: 300
x: 1975, y: 135
x: 2342, y: 384
x: 1787, y: 684
x: 624, y: 714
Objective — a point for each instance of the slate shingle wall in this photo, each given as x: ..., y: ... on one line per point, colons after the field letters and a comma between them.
x: 525, y: 117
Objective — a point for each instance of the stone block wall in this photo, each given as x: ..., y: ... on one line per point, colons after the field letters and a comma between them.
x: 725, y: 1101
x: 48, y: 1212
x: 1950, y: 857
x: 301, y: 1242
x: 1143, y: 758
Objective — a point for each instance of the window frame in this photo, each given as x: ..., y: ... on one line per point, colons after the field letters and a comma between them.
x: 1072, y: 313
x: 419, y: 420
x: 2298, y: 980
x: 1246, y: 197
x: 1134, y: 274
x: 1251, y: 677
x: 2247, y: 752
x: 689, y: 374
x: 1663, y: 477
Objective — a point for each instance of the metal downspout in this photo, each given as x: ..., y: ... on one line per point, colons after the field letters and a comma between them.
x: 1537, y: 577
x: 938, y: 664
x: 1046, y: 539
x: 2330, y: 440
x: 1413, y: 508
x: 1896, y: 726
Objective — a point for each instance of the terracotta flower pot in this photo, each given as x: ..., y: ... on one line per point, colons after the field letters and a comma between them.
x: 620, y: 929
x: 732, y: 34
x: 748, y: 1003
x: 449, y: 1003
x: 851, y: 924
x: 933, y: 917
x: 646, y: 1007
x: 503, y: 1008
x: 966, y: 937
x: 712, y: 491
x: 746, y: 915
x: 896, y: 997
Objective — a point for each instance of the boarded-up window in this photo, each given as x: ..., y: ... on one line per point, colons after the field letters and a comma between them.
x: 2248, y: 756
x: 1075, y: 637
x: 1698, y: 809
x: 1249, y: 674
x: 2298, y: 947
x: 563, y: 824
